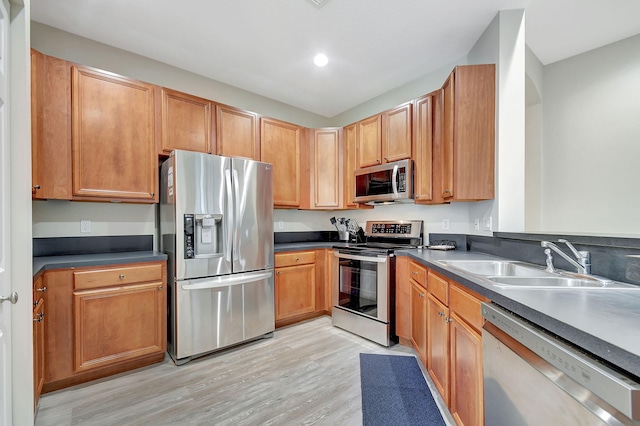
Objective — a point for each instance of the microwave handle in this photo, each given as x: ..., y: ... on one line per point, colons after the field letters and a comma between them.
x: 394, y: 178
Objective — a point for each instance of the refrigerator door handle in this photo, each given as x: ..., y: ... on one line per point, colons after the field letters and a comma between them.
x: 230, y: 214
x: 238, y: 211
x: 227, y: 280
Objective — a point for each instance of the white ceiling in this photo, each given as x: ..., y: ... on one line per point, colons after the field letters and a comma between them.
x: 267, y: 47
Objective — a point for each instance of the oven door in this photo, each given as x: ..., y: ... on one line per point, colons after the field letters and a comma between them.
x: 362, y: 295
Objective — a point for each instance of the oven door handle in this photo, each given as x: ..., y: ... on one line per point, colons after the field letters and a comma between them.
x: 380, y: 259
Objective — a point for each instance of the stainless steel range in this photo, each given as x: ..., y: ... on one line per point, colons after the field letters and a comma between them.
x: 364, y: 276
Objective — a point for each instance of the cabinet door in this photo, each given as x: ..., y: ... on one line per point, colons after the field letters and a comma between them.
x: 369, y: 141
x: 469, y: 133
x: 447, y: 137
x: 38, y: 349
x: 467, y: 393
x: 50, y: 127
x: 186, y: 122
x: 438, y: 345
x: 114, y: 154
x: 396, y: 133
x: 403, y: 299
x: 116, y: 324
x: 280, y: 145
x: 350, y: 165
x: 237, y: 133
x: 295, y: 291
x: 419, y: 320
x: 327, y: 178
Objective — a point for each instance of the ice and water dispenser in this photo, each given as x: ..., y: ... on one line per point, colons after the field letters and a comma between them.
x: 202, y: 235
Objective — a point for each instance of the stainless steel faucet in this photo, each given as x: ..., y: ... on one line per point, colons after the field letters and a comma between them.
x: 583, y: 263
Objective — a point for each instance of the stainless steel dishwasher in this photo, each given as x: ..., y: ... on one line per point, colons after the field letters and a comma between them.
x: 533, y: 378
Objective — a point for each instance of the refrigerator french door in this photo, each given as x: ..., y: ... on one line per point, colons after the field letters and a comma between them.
x: 216, y: 226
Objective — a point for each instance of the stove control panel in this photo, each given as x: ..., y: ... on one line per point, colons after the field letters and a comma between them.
x: 395, y: 228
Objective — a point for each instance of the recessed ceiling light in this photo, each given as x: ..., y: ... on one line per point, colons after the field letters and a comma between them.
x: 318, y: 3
x: 321, y: 60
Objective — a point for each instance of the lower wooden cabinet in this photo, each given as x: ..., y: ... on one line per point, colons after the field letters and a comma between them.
x: 295, y: 290
x: 438, y: 345
x: 38, y: 338
x: 117, y: 324
x: 302, y: 285
x: 103, y: 320
x: 445, y: 329
x: 419, y: 320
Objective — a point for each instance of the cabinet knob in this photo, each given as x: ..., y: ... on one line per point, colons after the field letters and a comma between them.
x: 153, y: 194
x: 39, y: 317
x: 414, y: 272
x: 36, y: 187
x: 278, y: 273
x: 378, y: 161
x: 297, y: 259
x: 440, y: 314
x: 159, y: 287
x: 421, y: 294
x: 13, y: 298
x: 43, y: 289
x: 447, y: 191
x: 448, y: 320
x: 122, y: 276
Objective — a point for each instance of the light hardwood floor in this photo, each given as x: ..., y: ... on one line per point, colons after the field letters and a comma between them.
x: 307, y: 374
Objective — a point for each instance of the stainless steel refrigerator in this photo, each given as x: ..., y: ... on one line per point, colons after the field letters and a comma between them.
x: 216, y: 226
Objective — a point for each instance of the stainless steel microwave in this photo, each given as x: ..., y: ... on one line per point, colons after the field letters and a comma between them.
x: 386, y: 183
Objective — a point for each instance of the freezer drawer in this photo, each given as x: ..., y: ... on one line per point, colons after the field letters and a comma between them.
x: 217, y: 312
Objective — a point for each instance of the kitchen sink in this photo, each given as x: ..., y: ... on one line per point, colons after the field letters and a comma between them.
x: 555, y: 281
x: 499, y: 268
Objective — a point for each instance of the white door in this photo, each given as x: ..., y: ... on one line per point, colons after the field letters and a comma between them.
x: 5, y: 285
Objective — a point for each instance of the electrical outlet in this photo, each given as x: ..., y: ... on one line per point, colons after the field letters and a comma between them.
x: 280, y: 224
x: 488, y: 223
x: 445, y: 224
x: 85, y: 226
x: 476, y: 224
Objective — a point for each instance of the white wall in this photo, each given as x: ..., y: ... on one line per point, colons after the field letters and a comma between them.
x: 591, y: 145
x: 58, y: 218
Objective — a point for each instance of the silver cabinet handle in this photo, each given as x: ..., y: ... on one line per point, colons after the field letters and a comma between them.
x: 414, y: 272
x: 297, y: 259
x: 43, y: 289
x: 13, y: 298
x: 159, y: 287
x: 39, y: 317
x: 421, y: 294
x: 448, y: 320
x: 122, y: 276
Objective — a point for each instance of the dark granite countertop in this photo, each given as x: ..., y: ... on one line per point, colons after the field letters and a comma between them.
x: 41, y: 264
x: 601, y: 321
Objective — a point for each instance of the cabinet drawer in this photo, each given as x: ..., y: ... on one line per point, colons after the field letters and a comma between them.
x: 418, y: 273
x: 438, y: 287
x: 466, y: 306
x: 296, y: 258
x: 115, y: 276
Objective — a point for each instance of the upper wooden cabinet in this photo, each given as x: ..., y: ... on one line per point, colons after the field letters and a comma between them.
x: 396, y: 133
x: 427, y: 149
x: 237, y: 133
x: 112, y: 137
x: 326, y: 168
x: 281, y: 145
x: 186, y: 122
x: 468, y: 136
x: 369, y: 141
x: 50, y: 127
